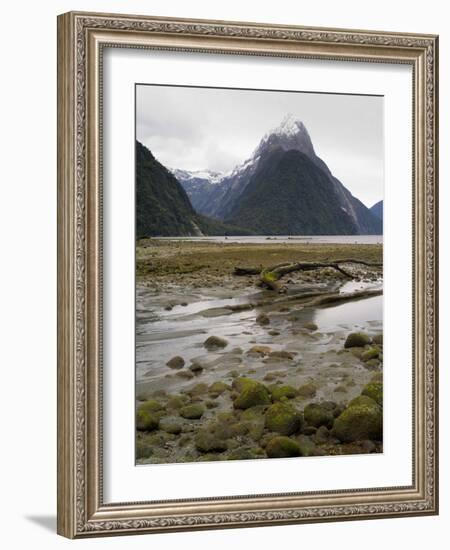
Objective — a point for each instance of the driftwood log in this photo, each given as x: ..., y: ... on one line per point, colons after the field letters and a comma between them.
x: 270, y: 276
x: 303, y: 300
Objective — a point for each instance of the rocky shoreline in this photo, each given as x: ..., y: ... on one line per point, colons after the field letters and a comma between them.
x: 283, y: 379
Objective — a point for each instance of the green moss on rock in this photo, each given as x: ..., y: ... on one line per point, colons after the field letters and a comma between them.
x: 363, y: 400
x: 284, y: 391
x: 317, y: 415
x: 254, y: 413
x: 242, y: 382
x: 282, y: 447
x: 307, y: 390
x: 177, y: 401
x: 241, y: 453
x: 198, y: 389
x: 218, y: 387
x: 377, y: 378
x: 371, y: 353
x: 146, y: 420
x: 151, y: 405
x: 359, y: 422
x: 206, y: 442
x: 170, y: 425
x: 250, y: 397
x: 193, y: 411
x: 357, y: 339
x: 283, y: 418
x: 307, y: 446
x: 375, y: 391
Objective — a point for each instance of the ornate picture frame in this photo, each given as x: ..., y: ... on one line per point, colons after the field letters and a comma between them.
x: 82, y: 38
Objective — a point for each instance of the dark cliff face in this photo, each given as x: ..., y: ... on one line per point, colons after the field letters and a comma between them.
x: 223, y: 200
x: 163, y: 208
x: 290, y: 195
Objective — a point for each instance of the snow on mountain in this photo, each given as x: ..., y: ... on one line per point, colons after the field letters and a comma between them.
x: 215, y: 194
x: 208, y: 175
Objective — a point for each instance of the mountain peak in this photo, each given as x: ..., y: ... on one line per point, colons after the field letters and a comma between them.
x: 290, y: 125
x: 291, y: 133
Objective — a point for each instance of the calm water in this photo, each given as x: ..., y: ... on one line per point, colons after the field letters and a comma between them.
x: 161, y: 334
x: 262, y: 239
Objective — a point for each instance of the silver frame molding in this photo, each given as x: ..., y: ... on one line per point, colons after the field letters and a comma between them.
x: 81, y: 39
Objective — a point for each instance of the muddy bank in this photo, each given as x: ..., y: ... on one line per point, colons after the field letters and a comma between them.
x: 189, y: 392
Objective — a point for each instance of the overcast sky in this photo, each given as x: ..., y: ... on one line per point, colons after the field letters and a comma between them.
x: 216, y: 129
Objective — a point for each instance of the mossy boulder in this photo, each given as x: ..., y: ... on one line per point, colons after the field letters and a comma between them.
x: 193, y: 411
x: 241, y: 383
x: 254, y: 413
x: 251, y: 393
x: 241, y: 453
x: 372, y: 364
x: 370, y: 353
x: 310, y: 326
x: 170, y: 425
x: 176, y: 362
x: 363, y: 400
x: 151, y: 405
x: 356, y: 340
x: 307, y: 390
x: 359, y: 422
x: 218, y: 388
x: 282, y: 447
x: 198, y: 389
x: 322, y: 435
x: 214, y: 343
x: 177, y: 401
x: 317, y: 415
x: 207, y: 442
x: 283, y: 392
x: 146, y: 420
x: 375, y: 391
x: 307, y: 446
x: 283, y: 418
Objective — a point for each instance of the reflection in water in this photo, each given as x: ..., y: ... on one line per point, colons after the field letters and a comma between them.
x: 161, y: 334
x: 350, y: 313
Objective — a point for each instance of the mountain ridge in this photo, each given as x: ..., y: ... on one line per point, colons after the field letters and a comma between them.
x: 289, y: 194
x: 163, y: 208
x: 221, y: 199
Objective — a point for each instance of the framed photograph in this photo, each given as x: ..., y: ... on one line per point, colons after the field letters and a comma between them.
x: 247, y: 288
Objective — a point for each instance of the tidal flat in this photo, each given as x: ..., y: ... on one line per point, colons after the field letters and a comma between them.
x: 227, y: 369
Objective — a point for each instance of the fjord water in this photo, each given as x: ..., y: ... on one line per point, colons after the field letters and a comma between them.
x: 284, y: 239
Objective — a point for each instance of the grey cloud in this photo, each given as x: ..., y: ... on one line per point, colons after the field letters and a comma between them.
x: 203, y: 128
